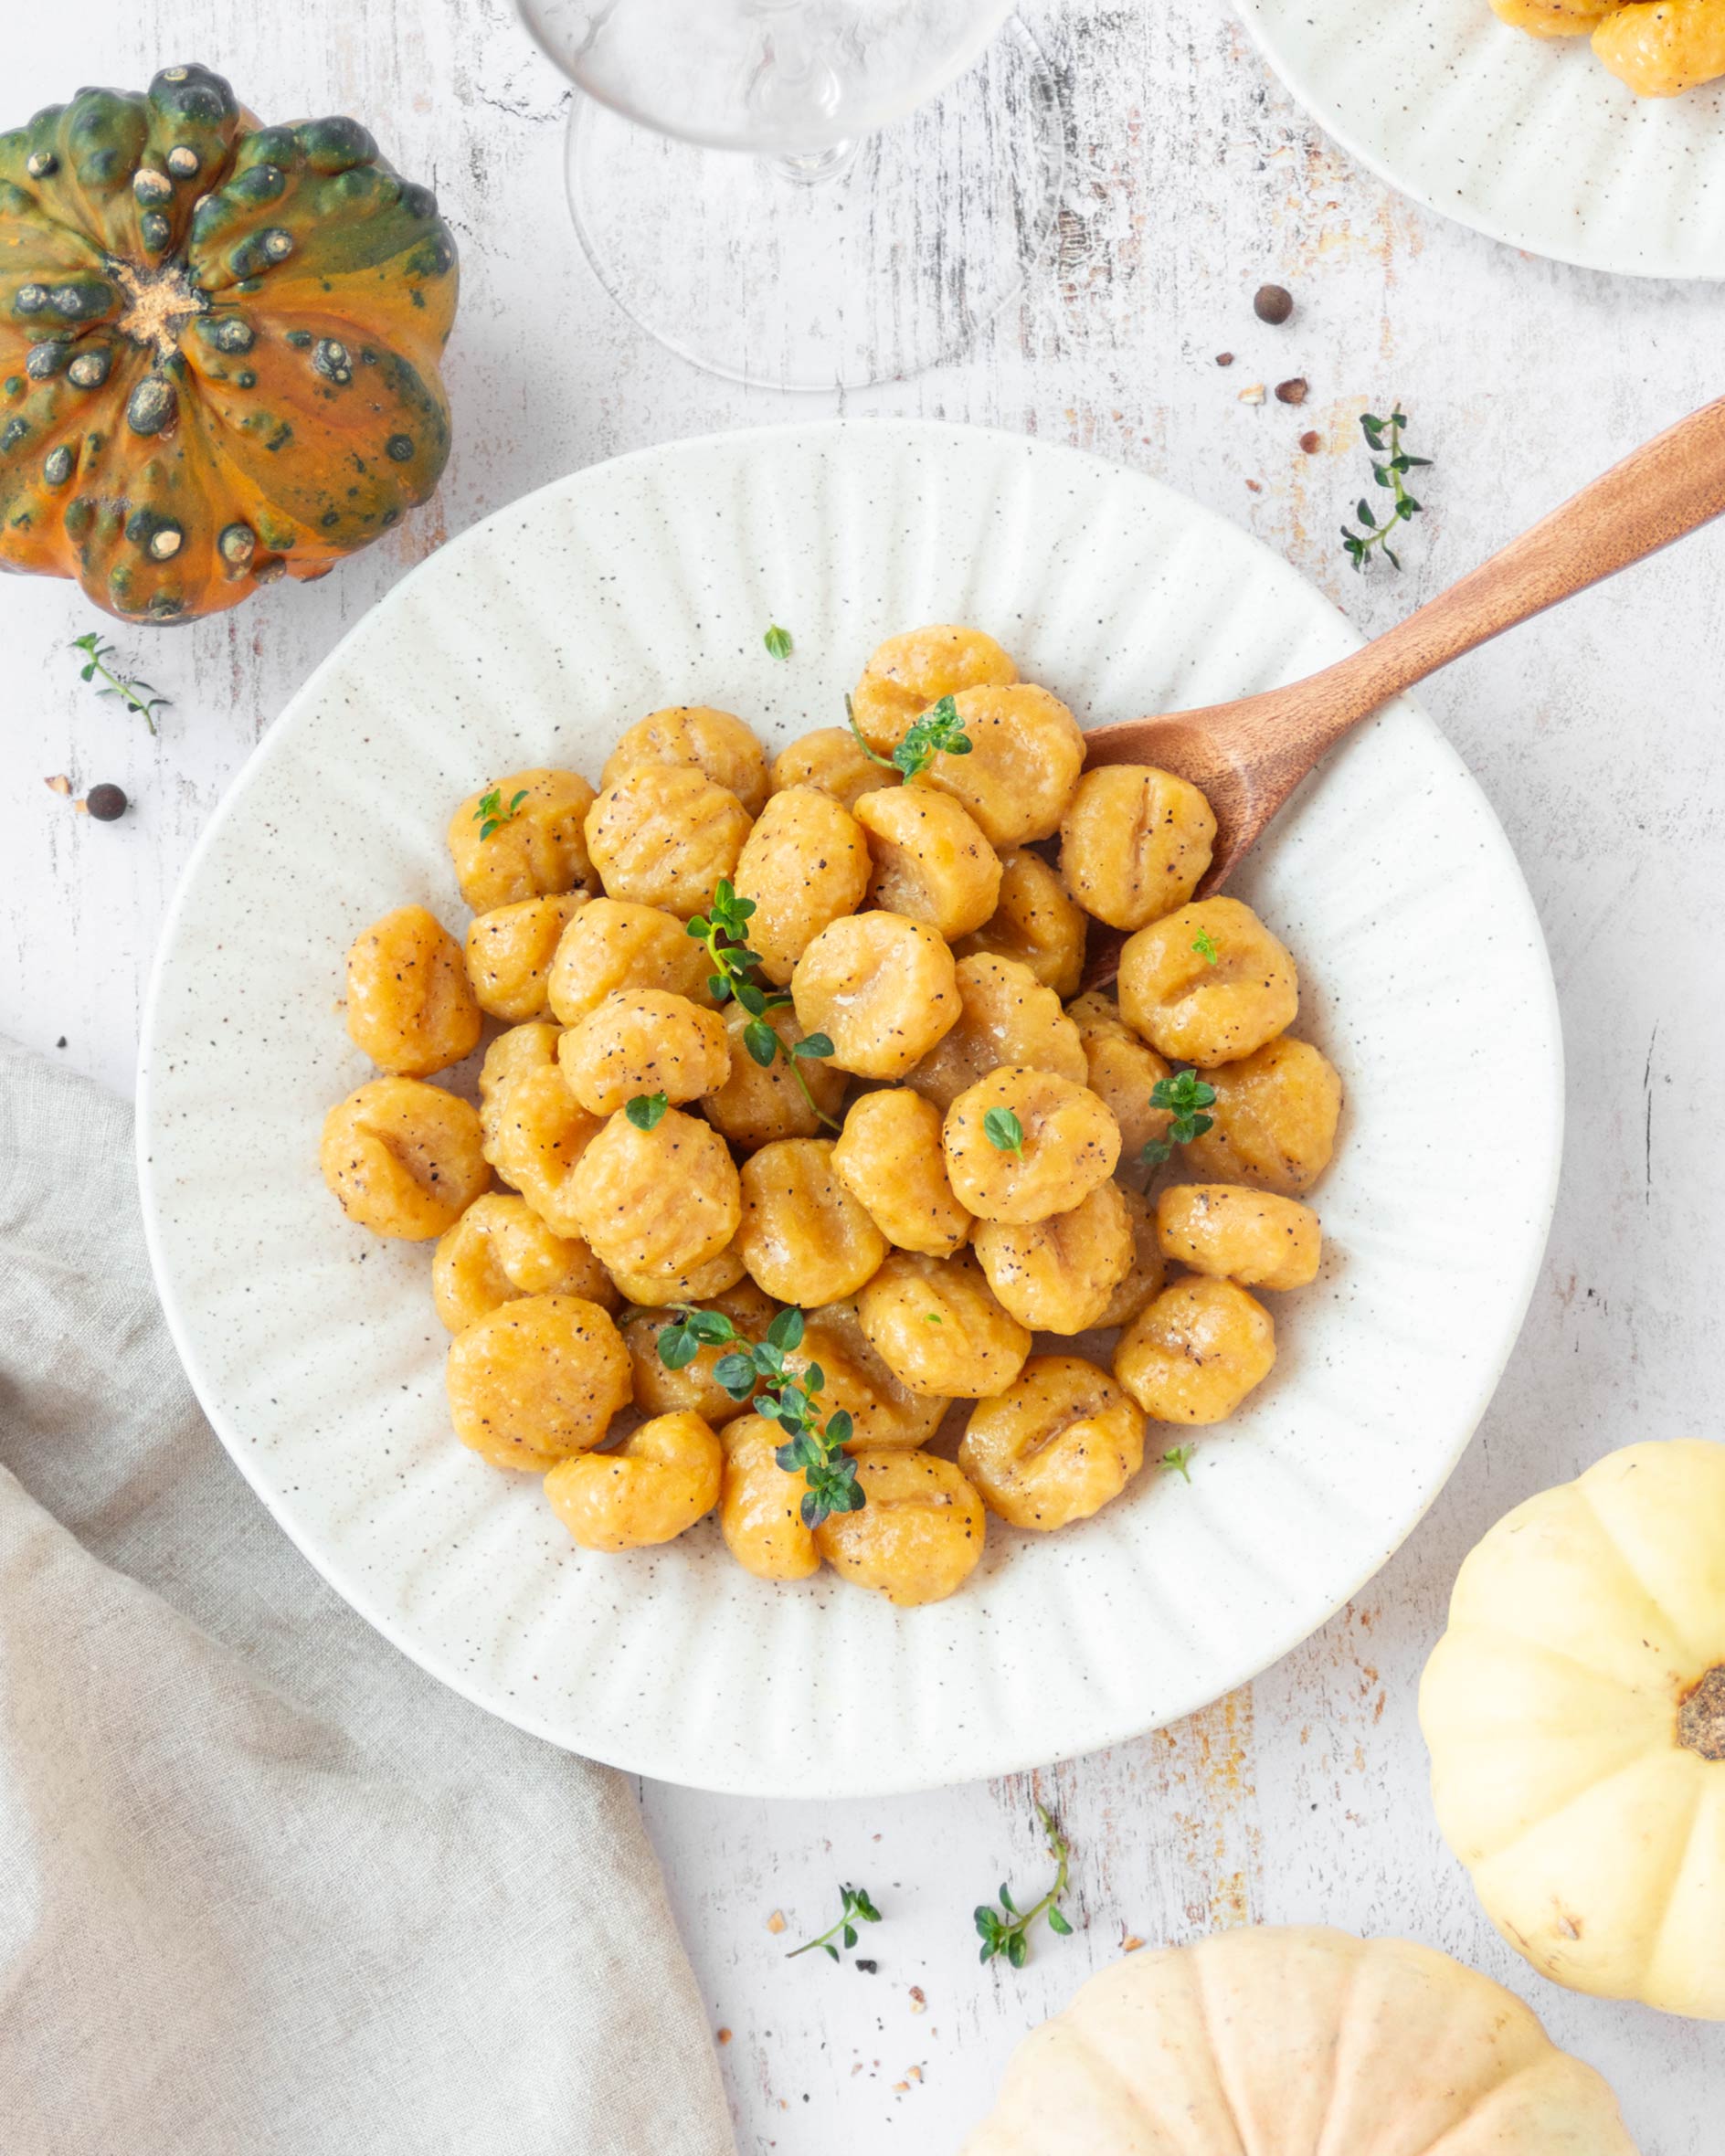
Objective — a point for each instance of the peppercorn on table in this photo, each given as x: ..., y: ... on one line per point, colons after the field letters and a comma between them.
x: 1193, y: 182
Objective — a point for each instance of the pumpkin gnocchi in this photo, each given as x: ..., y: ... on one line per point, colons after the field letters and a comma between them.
x: 798, y: 1181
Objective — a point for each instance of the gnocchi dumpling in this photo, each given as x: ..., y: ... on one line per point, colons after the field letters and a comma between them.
x: 664, y: 835
x: 1272, y: 1123
x: 652, y: 1487
x: 522, y: 836
x: 931, y: 862
x: 882, y: 989
x: 1005, y: 1016
x: 1059, y: 1275
x: 760, y: 1102
x: 760, y: 1504
x: 907, y: 673
x: 1194, y: 1353
x: 1664, y: 49
x: 1122, y: 1072
x: 642, y: 1041
x: 662, y: 1390
x: 919, y: 1534
x: 538, y: 1379
x: 611, y: 945
x: 889, y: 1157
x: 832, y: 759
x: 1036, y: 923
x: 883, y: 1410
x: 937, y: 1326
x: 1134, y: 843
x: 510, y: 951
x: 411, y: 1007
x: 1207, y: 985
x: 656, y: 1200
x: 717, y: 742
x: 804, y: 1237
x: 402, y: 1158
x: 1026, y: 752
x: 804, y: 865
x: 1144, y: 1276
x: 534, y: 1132
x: 1251, y: 1236
x: 500, y: 1248
x: 1023, y: 1145
x: 1054, y: 1447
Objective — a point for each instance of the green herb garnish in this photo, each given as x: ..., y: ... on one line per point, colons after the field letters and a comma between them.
x: 1182, y: 1096
x: 1357, y: 545
x: 1204, y: 944
x: 1004, y: 1132
x: 938, y: 732
x: 492, y: 815
x: 777, y: 642
x: 811, y: 1450
x: 736, y: 975
x: 1006, y: 1930
x: 858, y: 1909
x: 1178, y: 1460
x: 139, y: 696
x: 645, y: 1110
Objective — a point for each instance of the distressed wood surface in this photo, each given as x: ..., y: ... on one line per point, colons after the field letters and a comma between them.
x: 1594, y: 731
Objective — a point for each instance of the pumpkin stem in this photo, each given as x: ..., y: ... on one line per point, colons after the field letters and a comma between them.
x: 1701, y: 1717
x: 161, y: 304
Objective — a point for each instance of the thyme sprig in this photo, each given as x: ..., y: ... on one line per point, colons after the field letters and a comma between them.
x: 759, y: 1368
x: 938, y: 732
x: 858, y: 1909
x: 492, y: 815
x: 1006, y: 1930
x: 735, y: 975
x: 139, y: 696
x: 1396, y: 461
x: 1183, y: 1097
x: 1178, y: 1460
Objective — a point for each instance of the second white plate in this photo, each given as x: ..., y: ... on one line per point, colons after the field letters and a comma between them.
x: 534, y: 639
x: 1526, y: 139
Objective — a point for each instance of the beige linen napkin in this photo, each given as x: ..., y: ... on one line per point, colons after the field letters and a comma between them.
x: 264, y: 1886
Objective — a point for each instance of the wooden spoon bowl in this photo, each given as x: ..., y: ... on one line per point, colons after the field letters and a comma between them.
x: 1248, y: 756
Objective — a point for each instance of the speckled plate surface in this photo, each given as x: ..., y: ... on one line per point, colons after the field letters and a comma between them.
x: 533, y: 639
x: 1526, y: 139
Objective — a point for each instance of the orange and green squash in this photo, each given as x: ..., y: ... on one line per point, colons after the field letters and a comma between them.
x: 219, y: 346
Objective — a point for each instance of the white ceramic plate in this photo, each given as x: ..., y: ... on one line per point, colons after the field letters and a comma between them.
x: 1526, y: 139
x: 533, y: 640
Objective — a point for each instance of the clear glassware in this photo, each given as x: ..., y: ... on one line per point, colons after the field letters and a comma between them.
x: 767, y: 187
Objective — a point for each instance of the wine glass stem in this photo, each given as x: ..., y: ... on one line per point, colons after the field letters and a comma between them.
x: 810, y: 169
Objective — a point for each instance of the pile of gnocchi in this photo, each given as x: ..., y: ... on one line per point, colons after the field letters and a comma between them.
x: 1658, y: 48
x: 808, y: 1036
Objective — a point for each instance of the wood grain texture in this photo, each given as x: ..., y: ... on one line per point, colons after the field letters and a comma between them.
x: 1594, y: 731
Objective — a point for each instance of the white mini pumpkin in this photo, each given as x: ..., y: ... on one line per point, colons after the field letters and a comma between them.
x: 1298, y: 2043
x: 1575, y: 1711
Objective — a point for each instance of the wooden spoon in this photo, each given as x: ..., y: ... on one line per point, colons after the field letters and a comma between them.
x: 1249, y: 755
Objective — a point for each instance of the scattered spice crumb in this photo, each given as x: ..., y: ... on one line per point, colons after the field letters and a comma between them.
x: 62, y: 1041
x: 916, y: 2073
x: 1130, y: 1943
x: 1224, y: 359
x: 60, y: 784
x: 1273, y: 303
x: 919, y: 1998
x: 868, y: 1968
x: 1254, y: 486
x: 1311, y: 443
x: 856, y: 2069
x: 1292, y: 391
x: 776, y: 1922
x: 901, y: 2087
x: 725, y: 2035
x: 1252, y: 395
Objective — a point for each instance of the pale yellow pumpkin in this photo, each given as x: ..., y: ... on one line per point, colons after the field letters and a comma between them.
x: 1575, y: 1711
x: 1298, y: 2043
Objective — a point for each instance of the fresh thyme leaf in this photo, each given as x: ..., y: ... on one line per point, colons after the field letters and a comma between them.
x: 777, y: 642
x: 490, y: 815
x: 1383, y: 439
x: 938, y: 732
x: 1204, y: 944
x: 645, y: 1110
x: 1004, y: 1132
x: 1178, y: 1460
x: 137, y: 696
x: 857, y: 1909
x: 1006, y: 1930
x: 761, y: 1042
x: 1183, y: 1098
x: 812, y: 1044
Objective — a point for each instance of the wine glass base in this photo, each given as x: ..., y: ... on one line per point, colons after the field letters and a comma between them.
x: 835, y: 271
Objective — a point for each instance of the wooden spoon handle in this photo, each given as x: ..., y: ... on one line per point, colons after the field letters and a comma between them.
x: 1665, y: 489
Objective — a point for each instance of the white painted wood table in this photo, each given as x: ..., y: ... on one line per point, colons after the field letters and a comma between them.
x: 1595, y: 732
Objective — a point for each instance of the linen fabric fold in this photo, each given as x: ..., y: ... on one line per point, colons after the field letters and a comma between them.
x: 264, y: 1885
